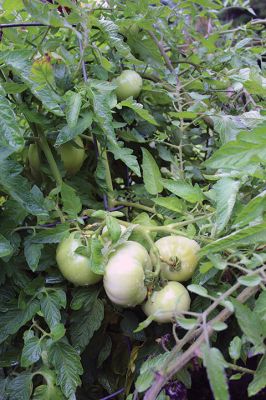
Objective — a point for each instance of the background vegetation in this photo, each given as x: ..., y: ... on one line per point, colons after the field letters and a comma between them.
x: 186, y: 157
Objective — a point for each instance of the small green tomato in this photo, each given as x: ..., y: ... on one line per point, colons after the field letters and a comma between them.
x: 73, y: 266
x: 71, y: 156
x: 164, y: 304
x: 179, y: 256
x: 129, y: 83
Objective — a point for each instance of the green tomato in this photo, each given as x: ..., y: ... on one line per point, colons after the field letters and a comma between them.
x: 125, y: 273
x: 179, y: 256
x: 73, y: 266
x: 129, y: 83
x: 71, y: 156
x: 47, y: 392
x: 34, y: 160
x: 164, y: 304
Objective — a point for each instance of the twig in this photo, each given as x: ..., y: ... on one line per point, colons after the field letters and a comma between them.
x: 162, y: 51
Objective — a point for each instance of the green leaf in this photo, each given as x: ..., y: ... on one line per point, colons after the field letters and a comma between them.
x: 66, y: 362
x: 252, y: 211
x: 215, y: 364
x: 250, y: 324
x: 219, y: 326
x: 138, y: 108
x: 147, y: 371
x: 124, y: 154
x: 200, y: 290
x: 183, y: 189
x: 103, y: 114
x: 71, y: 202
x: 171, y: 203
x: 84, y: 297
x: 249, y: 149
x: 51, y: 303
x: 96, y: 257
x: 258, y: 382
x: 151, y: 173
x: 235, y: 348
x: 249, y: 280
x: 19, y: 188
x: 58, y: 331
x: 5, y: 247
x: 52, y: 235
x: 104, y: 352
x: 10, y: 131
x: 113, y: 228
x: 73, y: 105
x: 68, y: 133
x: 186, y: 323
x: 228, y: 126
x: 20, y: 388
x: 250, y: 235
x: 85, y: 322
x: 226, y: 191
x: 31, y: 352
x: 111, y: 32
x: 260, y: 306
x: 13, y: 320
x: 32, y: 252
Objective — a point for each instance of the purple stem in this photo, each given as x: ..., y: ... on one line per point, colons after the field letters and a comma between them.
x: 21, y: 24
x: 110, y: 396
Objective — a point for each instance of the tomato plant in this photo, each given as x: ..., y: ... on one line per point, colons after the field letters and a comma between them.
x: 132, y: 158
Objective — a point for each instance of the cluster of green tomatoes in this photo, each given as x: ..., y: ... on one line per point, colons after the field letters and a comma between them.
x: 127, y: 269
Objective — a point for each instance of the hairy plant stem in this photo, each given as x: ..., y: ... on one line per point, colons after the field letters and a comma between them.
x: 50, y: 158
x: 167, y: 371
x: 135, y: 205
x: 108, y: 180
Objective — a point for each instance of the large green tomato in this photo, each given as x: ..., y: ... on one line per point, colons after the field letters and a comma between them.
x: 72, y: 156
x: 129, y: 83
x: 164, y: 304
x: 179, y: 256
x: 34, y: 160
x: 73, y: 266
x: 125, y: 273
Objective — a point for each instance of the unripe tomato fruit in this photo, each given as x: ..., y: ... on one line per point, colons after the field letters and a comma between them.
x: 125, y: 273
x: 129, y: 83
x: 164, y: 304
x: 71, y: 156
x: 73, y: 266
x: 179, y: 257
x: 34, y: 160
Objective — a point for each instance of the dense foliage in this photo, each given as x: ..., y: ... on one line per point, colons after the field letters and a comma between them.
x: 175, y: 146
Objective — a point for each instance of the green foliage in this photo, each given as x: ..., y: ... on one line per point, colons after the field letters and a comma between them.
x: 186, y: 157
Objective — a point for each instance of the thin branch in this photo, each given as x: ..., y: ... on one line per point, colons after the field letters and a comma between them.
x: 22, y: 24
x: 162, y: 51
